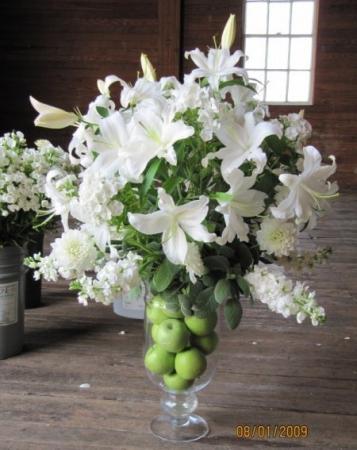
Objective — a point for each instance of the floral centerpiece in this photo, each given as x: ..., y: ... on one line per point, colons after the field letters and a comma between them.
x: 192, y: 190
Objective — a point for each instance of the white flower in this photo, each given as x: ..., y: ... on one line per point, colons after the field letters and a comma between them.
x: 229, y: 32
x: 52, y: 117
x: 216, y: 66
x: 104, y: 85
x: 147, y: 68
x: 269, y: 285
x: 277, y: 237
x: 238, y: 202
x: 308, y: 190
x: 173, y: 222
x: 143, y: 89
x: 242, y: 139
x: 120, y: 150
x: 160, y: 131
x: 193, y: 262
x: 74, y: 253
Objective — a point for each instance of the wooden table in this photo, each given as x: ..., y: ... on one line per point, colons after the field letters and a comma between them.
x: 272, y: 370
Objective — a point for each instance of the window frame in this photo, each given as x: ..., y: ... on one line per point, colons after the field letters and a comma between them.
x: 313, y: 36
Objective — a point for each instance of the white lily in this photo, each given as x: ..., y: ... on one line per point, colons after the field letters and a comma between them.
x: 147, y: 68
x: 52, y: 117
x: 143, y: 89
x: 159, y: 129
x: 104, y: 85
x: 174, y: 222
x: 308, y: 191
x: 242, y: 138
x: 119, y: 150
x: 216, y: 66
x: 241, y: 201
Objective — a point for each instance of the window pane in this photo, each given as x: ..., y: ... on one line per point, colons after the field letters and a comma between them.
x: 302, y: 17
x: 276, y: 86
x: 279, y: 18
x: 278, y: 49
x: 256, y: 17
x: 300, y: 53
x: 255, y: 51
x: 257, y: 75
x: 299, y: 87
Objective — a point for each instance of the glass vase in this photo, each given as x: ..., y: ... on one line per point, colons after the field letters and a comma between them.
x: 180, y: 365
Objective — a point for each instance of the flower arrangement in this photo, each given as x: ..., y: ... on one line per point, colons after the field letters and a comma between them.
x: 189, y: 187
x: 23, y: 174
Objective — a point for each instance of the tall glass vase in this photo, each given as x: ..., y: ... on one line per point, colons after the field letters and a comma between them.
x: 180, y: 357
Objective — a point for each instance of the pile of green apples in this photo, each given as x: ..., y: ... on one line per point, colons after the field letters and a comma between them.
x: 181, y: 344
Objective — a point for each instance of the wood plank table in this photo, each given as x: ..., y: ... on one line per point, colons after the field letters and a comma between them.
x: 272, y: 371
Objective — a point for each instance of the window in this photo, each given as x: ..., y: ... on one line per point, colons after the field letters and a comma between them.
x: 280, y: 42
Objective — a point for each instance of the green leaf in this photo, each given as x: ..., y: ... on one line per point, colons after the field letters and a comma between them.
x: 208, y: 281
x: 203, y: 296
x: 149, y: 176
x: 102, y: 111
x: 217, y: 262
x: 164, y: 275
x: 244, y: 286
x: 233, y: 313
x: 244, y: 256
x: 222, y: 291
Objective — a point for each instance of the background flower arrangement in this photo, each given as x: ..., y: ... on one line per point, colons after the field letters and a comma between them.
x: 190, y: 188
x: 23, y: 172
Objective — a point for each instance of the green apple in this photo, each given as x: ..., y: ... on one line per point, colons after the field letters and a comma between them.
x: 201, y: 326
x: 159, y: 361
x: 173, y: 314
x: 154, y: 310
x: 172, y: 335
x: 154, y: 329
x: 207, y: 344
x: 174, y: 382
x: 190, y: 363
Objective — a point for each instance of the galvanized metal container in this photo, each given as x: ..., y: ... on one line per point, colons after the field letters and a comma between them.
x: 12, y: 276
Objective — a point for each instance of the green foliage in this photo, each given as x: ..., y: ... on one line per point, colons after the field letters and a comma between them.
x: 164, y: 275
x: 102, y: 111
x: 233, y: 312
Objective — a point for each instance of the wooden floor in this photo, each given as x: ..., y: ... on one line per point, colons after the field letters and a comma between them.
x: 272, y: 370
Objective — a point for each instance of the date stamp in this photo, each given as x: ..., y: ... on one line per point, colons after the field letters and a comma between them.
x: 262, y: 431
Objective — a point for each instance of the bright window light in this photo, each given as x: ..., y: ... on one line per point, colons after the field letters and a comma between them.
x: 280, y: 43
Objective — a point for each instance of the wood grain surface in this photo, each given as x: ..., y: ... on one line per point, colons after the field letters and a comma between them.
x: 272, y: 370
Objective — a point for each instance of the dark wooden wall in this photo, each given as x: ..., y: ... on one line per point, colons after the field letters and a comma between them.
x: 56, y: 50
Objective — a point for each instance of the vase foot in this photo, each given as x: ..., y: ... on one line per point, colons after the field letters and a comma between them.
x: 187, y: 429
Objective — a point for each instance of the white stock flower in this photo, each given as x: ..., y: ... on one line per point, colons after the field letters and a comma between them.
x: 277, y: 237
x: 308, y: 191
x: 193, y: 262
x: 242, y: 138
x: 173, y: 222
x: 238, y: 202
x: 269, y: 285
x: 74, y: 253
x: 216, y: 66
x: 52, y: 117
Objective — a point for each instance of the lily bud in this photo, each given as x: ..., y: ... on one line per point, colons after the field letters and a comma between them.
x: 229, y: 32
x: 52, y: 117
x: 147, y: 68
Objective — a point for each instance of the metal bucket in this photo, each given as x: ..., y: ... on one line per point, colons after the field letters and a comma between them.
x: 12, y: 276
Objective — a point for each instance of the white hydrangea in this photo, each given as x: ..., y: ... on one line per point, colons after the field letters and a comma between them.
x: 277, y: 237
x: 74, y: 253
x: 270, y: 286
